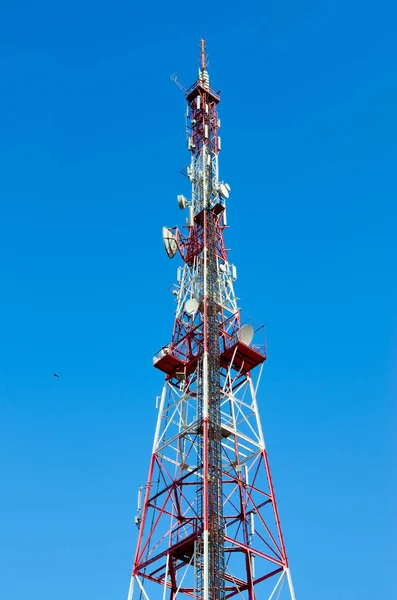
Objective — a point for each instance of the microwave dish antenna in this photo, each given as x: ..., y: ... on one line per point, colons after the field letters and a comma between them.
x: 170, y: 243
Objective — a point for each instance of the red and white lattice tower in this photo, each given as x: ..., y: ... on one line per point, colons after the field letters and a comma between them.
x: 207, y: 516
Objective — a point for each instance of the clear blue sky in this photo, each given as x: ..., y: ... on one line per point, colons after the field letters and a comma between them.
x: 91, y: 145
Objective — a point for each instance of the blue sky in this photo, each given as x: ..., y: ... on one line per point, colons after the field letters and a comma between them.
x: 91, y: 145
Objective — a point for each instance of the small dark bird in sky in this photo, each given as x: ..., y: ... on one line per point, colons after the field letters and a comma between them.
x: 55, y: 374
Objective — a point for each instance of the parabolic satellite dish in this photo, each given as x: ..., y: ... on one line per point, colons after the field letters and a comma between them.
x: 246, y: 334
x: 223, y: 190
x: 181, y: 201
x: 191, y: 306
x: 170, y: 245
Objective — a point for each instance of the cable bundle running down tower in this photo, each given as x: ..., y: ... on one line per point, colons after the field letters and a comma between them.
x: 208, y: 519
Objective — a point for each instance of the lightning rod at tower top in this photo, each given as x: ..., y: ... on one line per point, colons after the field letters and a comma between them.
x: 207, y: 517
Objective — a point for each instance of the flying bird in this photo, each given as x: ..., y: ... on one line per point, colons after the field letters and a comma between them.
x: 55, y: 374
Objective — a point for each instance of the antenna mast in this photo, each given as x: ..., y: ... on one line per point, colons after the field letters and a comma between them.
x: 209, y: 527
x: 203, y: 54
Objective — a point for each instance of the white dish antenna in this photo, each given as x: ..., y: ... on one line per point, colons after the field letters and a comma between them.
x: 227, y: 186
x: 246, y: 334
x: 223, y: 190
x: 191, y: 306
x: 182, y: 202
x: 170, y: 244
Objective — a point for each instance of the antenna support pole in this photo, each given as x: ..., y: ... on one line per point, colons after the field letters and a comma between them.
x: 203, y: 54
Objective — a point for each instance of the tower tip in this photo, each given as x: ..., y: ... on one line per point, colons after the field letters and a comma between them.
x: 203, y: 54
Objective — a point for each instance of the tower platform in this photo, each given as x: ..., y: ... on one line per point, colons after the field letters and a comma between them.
x: 241, y: 358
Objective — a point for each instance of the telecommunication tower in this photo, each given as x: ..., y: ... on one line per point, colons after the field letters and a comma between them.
x: 208, y: 520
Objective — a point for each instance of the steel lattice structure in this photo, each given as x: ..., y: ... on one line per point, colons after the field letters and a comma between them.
x: 208, y: 519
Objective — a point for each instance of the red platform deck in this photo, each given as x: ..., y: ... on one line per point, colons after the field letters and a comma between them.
x: 244, y: 358
x: 167, y: 362
x: 172, y: 365
x: 217, y: 209
x: 198, y: 88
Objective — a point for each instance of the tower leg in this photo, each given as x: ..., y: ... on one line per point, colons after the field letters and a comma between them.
x: 131, y: 588
x: 290, y: 584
